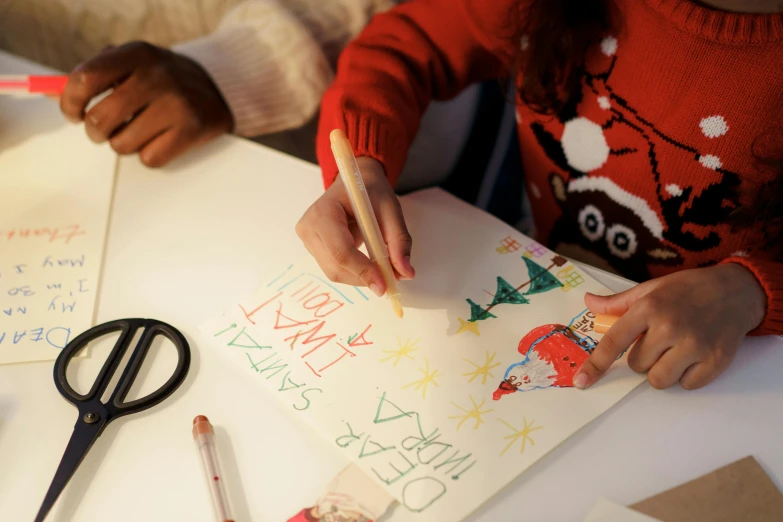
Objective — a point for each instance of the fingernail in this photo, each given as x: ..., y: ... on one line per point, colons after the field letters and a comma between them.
x: 580, y: 381
x: 406, y: 265
x: 376, y: 289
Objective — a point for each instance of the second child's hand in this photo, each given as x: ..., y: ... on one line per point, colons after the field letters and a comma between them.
x: 689, y: 326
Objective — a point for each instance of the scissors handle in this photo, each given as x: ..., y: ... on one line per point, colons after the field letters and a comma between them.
x: 94, y: 415
x: 116, y: 405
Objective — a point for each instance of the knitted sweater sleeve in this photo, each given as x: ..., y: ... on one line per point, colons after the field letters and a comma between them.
x: 270, y: 59
x: 417, y: 52
x: 770, y: 275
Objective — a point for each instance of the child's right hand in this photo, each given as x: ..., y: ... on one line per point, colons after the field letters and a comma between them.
x: 331, y: 235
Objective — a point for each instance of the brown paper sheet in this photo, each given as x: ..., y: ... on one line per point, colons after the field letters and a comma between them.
x: 738, y: 491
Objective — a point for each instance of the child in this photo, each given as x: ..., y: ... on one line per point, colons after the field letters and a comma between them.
x: 651, y: 143
x: 254, y: 67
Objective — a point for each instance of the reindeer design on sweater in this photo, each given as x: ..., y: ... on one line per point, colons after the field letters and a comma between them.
x: 623, y: 224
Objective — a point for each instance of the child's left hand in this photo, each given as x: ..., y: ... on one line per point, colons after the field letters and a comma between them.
x: 689, y: 325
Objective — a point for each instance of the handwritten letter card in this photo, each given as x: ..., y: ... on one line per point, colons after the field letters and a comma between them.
x: 55, y: 194
x: 447, y: 405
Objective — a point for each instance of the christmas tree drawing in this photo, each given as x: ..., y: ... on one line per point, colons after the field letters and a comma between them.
x: 540, y: 280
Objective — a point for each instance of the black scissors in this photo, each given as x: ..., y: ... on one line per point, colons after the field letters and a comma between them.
x: 94, y: 415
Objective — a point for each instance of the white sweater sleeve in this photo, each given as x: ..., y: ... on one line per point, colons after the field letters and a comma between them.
x: 269, y: 58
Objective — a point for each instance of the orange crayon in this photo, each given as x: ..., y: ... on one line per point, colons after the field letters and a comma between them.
x: 603, y: 322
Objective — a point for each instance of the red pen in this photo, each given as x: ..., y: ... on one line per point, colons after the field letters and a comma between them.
x: 204, y: 437
x: 31, y: 84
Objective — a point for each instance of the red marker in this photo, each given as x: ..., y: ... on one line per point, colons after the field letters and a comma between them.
x: 23, y: 84
x: 204, y: 437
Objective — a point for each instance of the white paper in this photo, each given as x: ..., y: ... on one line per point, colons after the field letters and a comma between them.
x: 55, y: 196
x: 608, y: 511
x: 410, y: 400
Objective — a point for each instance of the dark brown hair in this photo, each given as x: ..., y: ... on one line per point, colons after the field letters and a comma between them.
x: 558, y: 34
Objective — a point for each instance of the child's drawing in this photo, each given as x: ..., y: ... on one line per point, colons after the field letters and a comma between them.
x: 474, y: 413
x: 539, y: 280
x: 349, y: 498
x: 411, y: 404
x: 424, y: 382
x: 404, y: 350
x: 330, y: 512
x: 552, y: 354
x: 523, y: 435
x: 482, y: 370
x: 534, y: 250
x: 508, y: 244
x: 570, y: 277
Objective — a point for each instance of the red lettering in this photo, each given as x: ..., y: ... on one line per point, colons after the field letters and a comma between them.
x: 294, y: 322
x: 248, y: 315
x: 346, y: 351
x: 312, y: 369
x: 305, y: 286
x: 311, y: 337
x: 360, y: 340
x: 319, y: 307
x: 70, y: 234
x: 53, y: 234
x: 325, y: 300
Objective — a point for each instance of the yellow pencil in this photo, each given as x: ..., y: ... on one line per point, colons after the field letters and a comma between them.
x: 365, y: 216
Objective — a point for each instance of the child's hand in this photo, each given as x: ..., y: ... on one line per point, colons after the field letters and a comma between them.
x: 689, y: 326
x: 331, y: 235
x: 162, y: 103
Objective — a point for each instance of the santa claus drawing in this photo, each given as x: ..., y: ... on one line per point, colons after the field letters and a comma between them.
x: 552, y: 354
x: 350, y: 497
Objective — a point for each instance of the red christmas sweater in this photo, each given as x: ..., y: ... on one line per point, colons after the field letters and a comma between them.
x: 639, y: 173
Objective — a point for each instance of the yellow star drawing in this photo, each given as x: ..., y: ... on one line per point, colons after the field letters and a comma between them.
x: 429, y: 377
x: 468, y: 326
x: 404, y: 351
x: 523, y: 434
x: 482, y: 370
x: 475, y: 413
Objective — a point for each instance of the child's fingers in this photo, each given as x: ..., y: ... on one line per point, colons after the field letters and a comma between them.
x: 398, y: 239
x: 699, y: 375
x: 316, y: 248
x: 388, y: 212
x: 344, y: 263
x: 93, y: 77
x: 140, y: 131
x: 671, y: 367
x: 619, y: 337
x: 703, y: 373
x: 648, y: 349
x: 616, y: 304
x: 114, y: 111
x: 332, y: 241
x: 165, y: 147
x: 340, y: 253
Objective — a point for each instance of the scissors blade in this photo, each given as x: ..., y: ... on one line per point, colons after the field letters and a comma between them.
x: 84, y: 435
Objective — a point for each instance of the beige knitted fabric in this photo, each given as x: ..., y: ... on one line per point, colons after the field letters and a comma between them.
x: 271, y: 59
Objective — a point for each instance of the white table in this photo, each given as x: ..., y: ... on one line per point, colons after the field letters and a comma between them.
x: 184, y: 243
